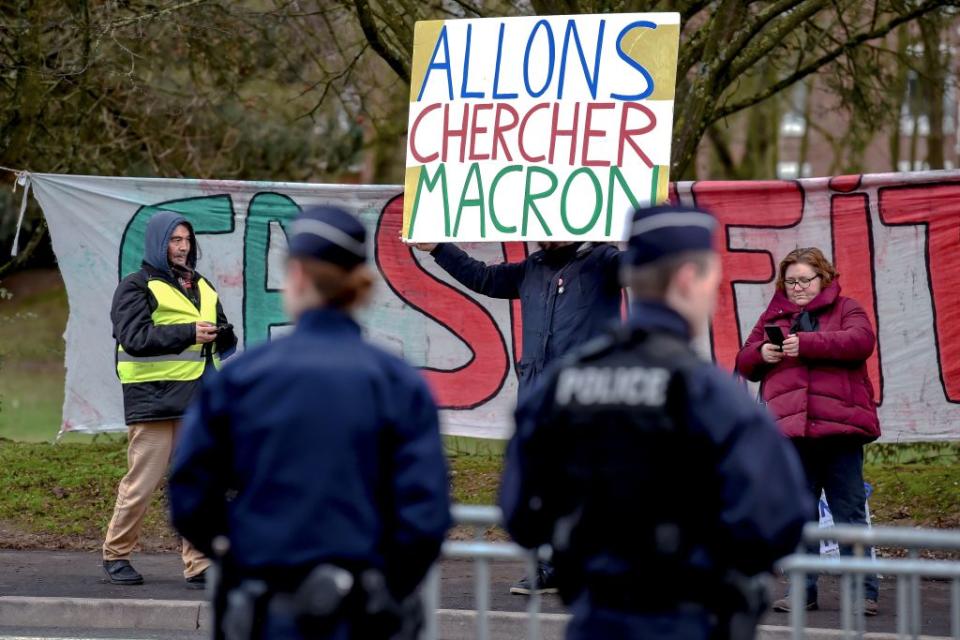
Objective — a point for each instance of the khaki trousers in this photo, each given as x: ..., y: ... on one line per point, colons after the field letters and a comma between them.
x: 148, y: 456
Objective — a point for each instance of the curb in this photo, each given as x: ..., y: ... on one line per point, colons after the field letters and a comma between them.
x: 769, y: 632
x: 191, y: 615
x: 102, y: 613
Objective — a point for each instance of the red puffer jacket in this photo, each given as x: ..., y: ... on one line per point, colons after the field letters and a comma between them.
x: 826, y: 391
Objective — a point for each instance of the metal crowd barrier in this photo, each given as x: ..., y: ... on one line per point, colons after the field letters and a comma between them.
x: 481, y: 518
x: 908, y: 571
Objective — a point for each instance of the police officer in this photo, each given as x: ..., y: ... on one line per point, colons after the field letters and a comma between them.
x: 661, y: 485
x: 316, y: 460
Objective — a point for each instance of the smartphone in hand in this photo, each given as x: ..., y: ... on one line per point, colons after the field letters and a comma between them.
x: 775, y: 334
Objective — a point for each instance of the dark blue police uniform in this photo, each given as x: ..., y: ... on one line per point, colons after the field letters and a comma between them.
x: 317, y: 447
x: 660, y: 484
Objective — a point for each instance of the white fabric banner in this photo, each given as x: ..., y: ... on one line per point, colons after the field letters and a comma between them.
x: 895, y: 239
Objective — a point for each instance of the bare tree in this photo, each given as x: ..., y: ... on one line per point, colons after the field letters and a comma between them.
x: 723, y: 43
x: 199, y: 88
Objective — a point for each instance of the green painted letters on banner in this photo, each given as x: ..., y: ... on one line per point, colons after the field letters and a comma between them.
x: 262, y: 306
x: 207, y: 214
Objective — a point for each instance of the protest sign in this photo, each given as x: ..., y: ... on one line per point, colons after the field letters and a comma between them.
x: 550, y: 128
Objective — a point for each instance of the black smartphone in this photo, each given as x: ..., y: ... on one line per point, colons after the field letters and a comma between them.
x: 224, y: 327
x: 775, y: 334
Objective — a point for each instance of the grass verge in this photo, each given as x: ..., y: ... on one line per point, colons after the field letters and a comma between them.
x: 61, y: 496
x: 31, y: 356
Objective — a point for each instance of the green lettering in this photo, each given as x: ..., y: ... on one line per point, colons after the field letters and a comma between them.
x: 579, y: 231
x: 529, y: 198
x: 441, y: 176
x: 493, y: 187
x: 262, y: 305
x: 615, y: 173
x: 654, y: 179
x: 206, y: 214
x: 473, y: 173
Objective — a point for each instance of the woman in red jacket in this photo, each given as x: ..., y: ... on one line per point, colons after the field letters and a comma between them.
x: 817, y: 388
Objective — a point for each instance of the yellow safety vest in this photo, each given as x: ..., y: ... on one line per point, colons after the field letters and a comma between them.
x: 172, y: 308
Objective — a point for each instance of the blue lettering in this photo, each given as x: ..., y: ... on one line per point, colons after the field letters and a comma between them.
x: 437, y: 65
x: 633, y: 63
x: 496, y: 73
x: 591, y: 81
x: 466, y: 70
x: 526, y: 58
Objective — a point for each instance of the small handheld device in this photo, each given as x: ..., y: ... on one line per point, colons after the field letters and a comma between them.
x: 224, y: 327
x: 775, y: 334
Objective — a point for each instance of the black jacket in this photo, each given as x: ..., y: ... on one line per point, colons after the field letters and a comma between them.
x: 331, y: 450
x: 717, y: 487
x: 553, y: 322
x: 133, y: 328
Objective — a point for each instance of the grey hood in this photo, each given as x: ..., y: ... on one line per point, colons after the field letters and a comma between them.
x: 157, y: 239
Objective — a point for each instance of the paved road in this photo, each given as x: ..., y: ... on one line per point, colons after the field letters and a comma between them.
x: 78, y: 574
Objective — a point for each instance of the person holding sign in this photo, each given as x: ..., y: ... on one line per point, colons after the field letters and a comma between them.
x: 637, y: 422
x: 547, y: 129
x: 809, y: 350
x: 569, y: 292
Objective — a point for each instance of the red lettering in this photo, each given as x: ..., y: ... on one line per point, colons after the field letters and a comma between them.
x: 523, y: 126
x: 474, y: 130
x: 590, y: 132
x: 743, y: 204
x: 937, y: 207
x: 626, y: 134
x: 455, y: 133
x: 499, y: 130
x: 482, y: 377
x: 853, y: 257
x: 413, y: 137
x: 556, y: 132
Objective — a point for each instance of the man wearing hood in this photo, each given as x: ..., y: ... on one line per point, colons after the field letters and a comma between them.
x: 569, y: 292
x: 170, y: 328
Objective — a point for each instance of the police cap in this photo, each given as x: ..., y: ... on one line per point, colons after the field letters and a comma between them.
x: 328, y: 234
x: 662, y: 231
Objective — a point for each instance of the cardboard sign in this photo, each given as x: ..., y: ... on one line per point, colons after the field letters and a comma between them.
x: 549, y: 128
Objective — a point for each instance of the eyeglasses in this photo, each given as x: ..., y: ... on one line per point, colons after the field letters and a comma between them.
x: 803, y: 282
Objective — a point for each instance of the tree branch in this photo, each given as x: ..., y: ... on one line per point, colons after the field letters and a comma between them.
x: 745, y: 56
x: 826, y: 58
x: 759, y: 21
x: 28, y: 249
x: 472, y: 8
x: 689, y: 9
x: 399, y: 64
x: 342, y: 74
x: 149, y: 16
x: 691, y: 52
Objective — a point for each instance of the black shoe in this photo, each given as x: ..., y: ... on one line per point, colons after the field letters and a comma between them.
x: 546, y: 583
x: 121, y: 572
x: 198, y: 581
